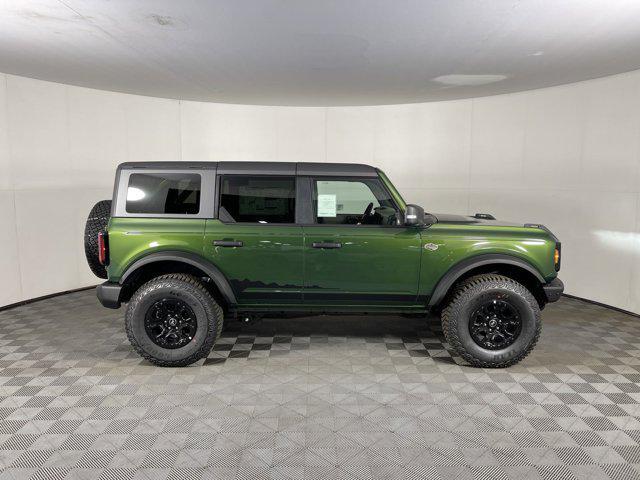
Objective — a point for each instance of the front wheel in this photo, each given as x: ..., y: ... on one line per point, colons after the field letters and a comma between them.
x: 492, y: 321
x: 173, y: 321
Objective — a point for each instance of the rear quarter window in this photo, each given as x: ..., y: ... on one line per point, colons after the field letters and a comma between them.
x: 164, y: 193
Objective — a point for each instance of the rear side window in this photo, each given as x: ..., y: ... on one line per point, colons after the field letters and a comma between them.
x: 164, y: 193
x: 258, y: 199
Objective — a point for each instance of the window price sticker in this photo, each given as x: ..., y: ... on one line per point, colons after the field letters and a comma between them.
x: 326, y: 205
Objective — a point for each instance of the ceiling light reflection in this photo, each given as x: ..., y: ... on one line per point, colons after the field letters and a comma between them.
x: 134, y: 194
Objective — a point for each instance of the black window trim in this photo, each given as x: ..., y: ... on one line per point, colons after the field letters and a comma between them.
x: 219, y: 177
x: 209, y: 199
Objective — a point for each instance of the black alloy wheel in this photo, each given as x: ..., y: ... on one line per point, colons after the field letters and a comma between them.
x: 170, y: 323
x: 495, y: 324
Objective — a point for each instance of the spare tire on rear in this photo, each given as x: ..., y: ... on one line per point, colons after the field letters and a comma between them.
x: 96, y: 222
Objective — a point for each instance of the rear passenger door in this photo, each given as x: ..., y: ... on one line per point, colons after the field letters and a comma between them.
x: 255, y: 241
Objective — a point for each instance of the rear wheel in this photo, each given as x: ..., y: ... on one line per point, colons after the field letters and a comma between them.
x: 173, y: 321
x: 492, y: 321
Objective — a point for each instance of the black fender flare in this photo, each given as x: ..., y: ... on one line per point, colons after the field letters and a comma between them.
x: 213, y: 272
x: 462, y: 267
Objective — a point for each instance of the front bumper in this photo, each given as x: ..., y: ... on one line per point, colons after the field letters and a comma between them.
x: 553, y: 290
x: 109, y: 294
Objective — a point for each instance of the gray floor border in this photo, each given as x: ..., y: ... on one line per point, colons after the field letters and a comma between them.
x: 603, y: 305
x: 44, y: 297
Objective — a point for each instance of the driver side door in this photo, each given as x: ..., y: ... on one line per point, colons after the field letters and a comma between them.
x: 355, y: 250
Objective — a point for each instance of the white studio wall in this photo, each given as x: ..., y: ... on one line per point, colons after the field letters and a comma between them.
x: 568, y: 157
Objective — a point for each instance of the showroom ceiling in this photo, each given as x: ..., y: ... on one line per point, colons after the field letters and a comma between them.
x: 322, y: 52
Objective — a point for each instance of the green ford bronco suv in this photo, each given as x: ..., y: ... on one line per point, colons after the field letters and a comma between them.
x: 190, y: 244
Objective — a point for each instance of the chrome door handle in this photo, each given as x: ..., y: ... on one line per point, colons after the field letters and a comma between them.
x: 326, y: 245
x: 227, y: 243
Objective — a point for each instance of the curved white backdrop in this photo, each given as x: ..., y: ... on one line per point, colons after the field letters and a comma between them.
x: 568, y: 157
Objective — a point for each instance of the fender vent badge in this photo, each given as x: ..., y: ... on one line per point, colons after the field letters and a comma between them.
x: 431, y: 246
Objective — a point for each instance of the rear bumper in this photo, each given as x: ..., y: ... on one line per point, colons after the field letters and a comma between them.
x: 109, y: 294
x: 553, y: 290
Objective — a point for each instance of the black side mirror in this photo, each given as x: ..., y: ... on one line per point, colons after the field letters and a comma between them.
x: 413, y: 215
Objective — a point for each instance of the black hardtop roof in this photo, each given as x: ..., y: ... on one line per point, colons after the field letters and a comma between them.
x: 262, y: 168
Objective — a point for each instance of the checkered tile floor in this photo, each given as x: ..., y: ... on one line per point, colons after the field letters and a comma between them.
x: 345, y: 397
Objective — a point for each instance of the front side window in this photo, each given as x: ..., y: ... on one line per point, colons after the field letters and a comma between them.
x: 258, y: 199
x: 353, y: 202
x: 164, y: 193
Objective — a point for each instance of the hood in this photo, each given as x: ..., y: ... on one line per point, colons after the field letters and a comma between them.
x: 472, y: 220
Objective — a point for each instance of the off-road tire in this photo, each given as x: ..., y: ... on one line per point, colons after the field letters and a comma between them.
x: 189, y: 289
x: 96, y: 222
x: 456, y: 316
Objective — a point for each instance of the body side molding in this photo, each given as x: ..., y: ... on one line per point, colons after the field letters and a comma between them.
x: 462, y: 267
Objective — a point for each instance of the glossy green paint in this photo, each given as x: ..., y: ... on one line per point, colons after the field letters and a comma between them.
x: 267, y: 268
x: 379, y: 265
x: 457, y: 242
x: 132, y: 238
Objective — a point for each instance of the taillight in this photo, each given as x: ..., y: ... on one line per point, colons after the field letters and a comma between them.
x: 556, y: 256
x: 103, y: 248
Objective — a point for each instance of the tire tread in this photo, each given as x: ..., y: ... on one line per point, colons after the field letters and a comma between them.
x: 462, y: 293
x: 215, y: 323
